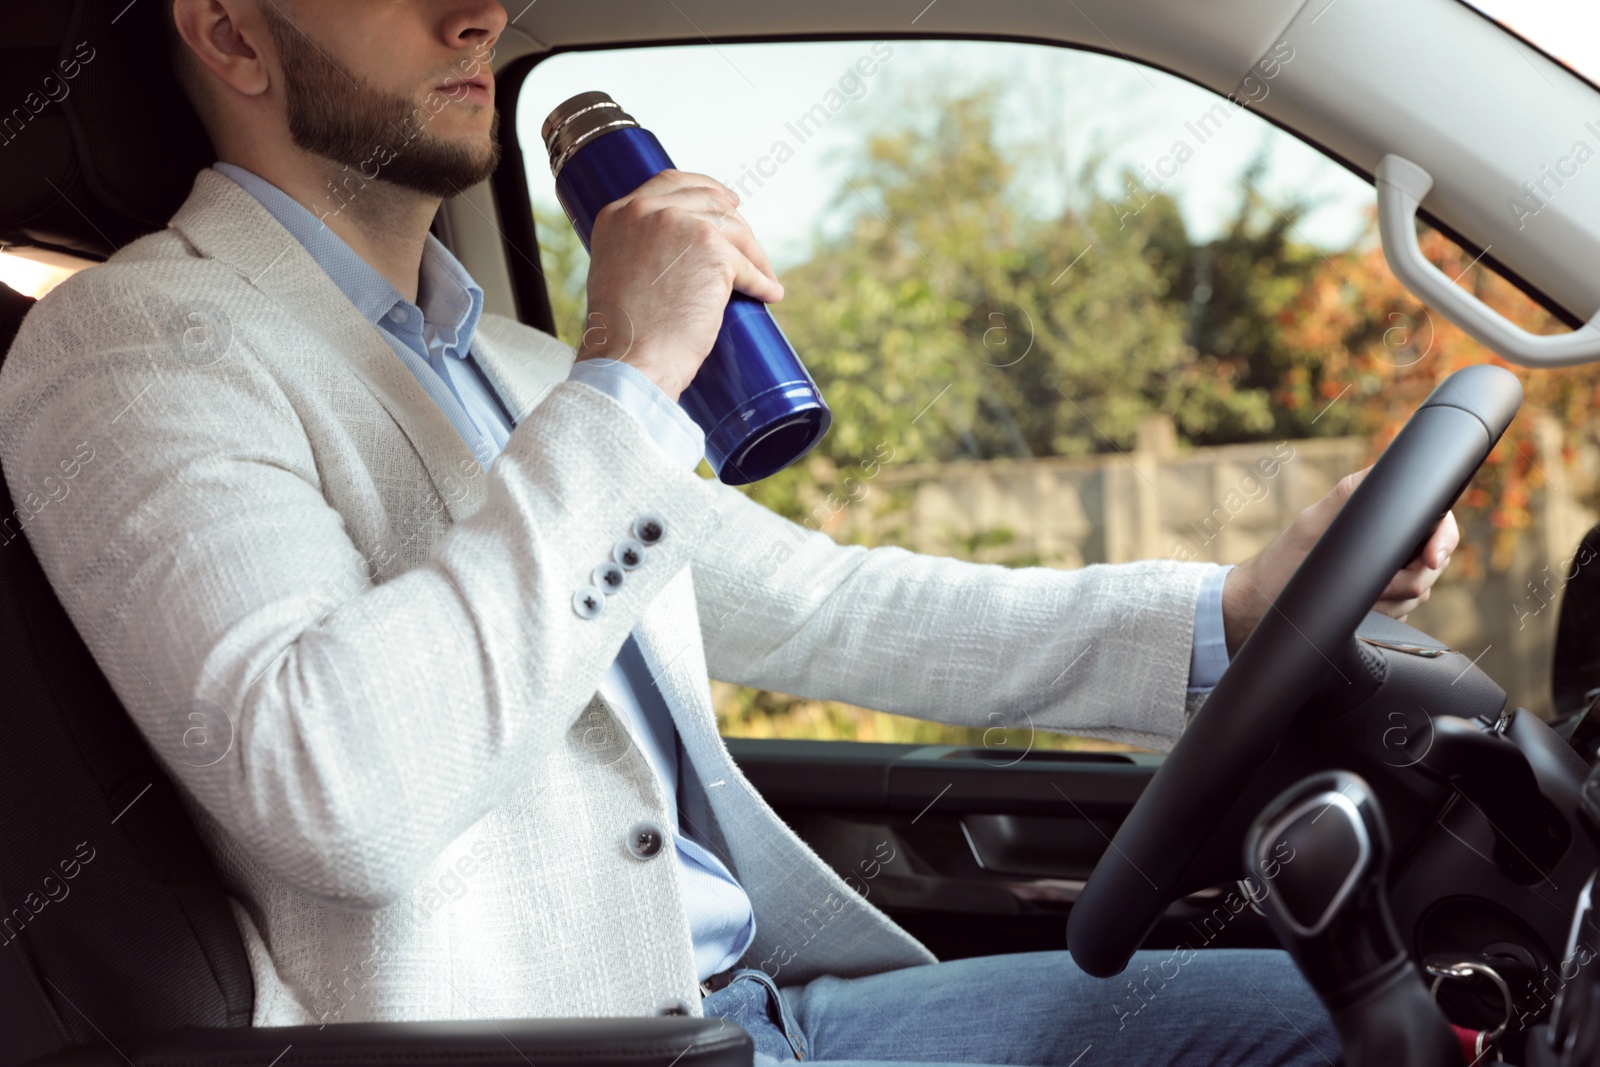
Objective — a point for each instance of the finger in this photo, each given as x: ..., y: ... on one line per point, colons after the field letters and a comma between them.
x: 710, y: 202
x: 1397, y: 606
x: 732, y: 226
x: 1359, y: 476
x: 724, y: 214
x: 1397, y: 609
x: 1446, y: 536
x: 1309, y: 525
x: 670, y: 186
x: 1414, y: 580
x: 690, y: 183
x: 737, y: 230
x: 672, y: 179
x: 690, y: 177
x: 1348, y: 484
x: 753, y: 281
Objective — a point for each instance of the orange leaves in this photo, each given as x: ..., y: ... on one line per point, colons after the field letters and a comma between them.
x: 1364, y: 328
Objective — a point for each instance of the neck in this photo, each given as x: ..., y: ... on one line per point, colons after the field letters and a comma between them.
x: 383, y: 223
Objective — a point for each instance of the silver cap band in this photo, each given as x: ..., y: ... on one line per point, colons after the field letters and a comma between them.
x: 577, y: 121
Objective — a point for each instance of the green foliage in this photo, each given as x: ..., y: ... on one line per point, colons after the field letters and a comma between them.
x: 1249, y: 380
x: 950, y: 322
x: 565, y: 263
x: 1027, y: 335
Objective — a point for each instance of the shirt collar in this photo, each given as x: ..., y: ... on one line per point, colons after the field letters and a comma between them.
x: 449, y: 302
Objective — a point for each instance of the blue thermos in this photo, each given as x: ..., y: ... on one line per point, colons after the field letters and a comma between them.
x: 759, y: 408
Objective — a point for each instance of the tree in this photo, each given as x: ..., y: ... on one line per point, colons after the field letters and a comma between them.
x: 1379, y: 345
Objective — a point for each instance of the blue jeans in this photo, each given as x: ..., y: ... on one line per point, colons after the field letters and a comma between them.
x: 1219, y: 1006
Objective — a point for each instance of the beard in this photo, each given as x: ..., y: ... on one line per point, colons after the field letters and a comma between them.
x: 336, y: 114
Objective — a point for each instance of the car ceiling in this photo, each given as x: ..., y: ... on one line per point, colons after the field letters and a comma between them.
x: 1430, y: 80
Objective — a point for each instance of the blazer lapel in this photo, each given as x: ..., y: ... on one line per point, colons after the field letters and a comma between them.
x: 226, y: 223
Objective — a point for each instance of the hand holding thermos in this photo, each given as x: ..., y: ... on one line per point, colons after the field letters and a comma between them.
x: 676, y: 288
x: 670, y: 254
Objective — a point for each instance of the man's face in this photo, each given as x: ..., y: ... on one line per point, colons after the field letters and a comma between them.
x: 378, y: 90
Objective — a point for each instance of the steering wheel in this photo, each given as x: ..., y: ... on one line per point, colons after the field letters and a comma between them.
x: 1380, y: 528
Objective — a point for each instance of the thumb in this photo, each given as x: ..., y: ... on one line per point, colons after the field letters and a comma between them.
x: 1347, y: 485
x: 1310, y: 523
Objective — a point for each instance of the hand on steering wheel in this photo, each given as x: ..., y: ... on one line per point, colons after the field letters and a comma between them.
x: 1396, y: 513
x: 1251, y: 587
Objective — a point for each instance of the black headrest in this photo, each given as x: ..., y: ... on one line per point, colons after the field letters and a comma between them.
x: 97, y: 143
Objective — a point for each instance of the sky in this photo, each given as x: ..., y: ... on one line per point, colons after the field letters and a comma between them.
x: 718, y: 109
x: 1567, y: 29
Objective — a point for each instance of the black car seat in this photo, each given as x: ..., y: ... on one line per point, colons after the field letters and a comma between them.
x: 1575, y: 667
x: 26, y: 1021
x: 96, y: 148
x: 140, y: 939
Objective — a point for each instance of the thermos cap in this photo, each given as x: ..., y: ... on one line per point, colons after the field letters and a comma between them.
x: 578, y: 120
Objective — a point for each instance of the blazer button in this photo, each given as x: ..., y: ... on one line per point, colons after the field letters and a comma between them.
x: 645, y: 840
x: 649, y: 527
x: 673, y: 1006
x: 628, y: 553
x: 608, y: 577
x: 588, y: 602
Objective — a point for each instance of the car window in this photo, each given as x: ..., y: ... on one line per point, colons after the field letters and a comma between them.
x: 1069, y: 310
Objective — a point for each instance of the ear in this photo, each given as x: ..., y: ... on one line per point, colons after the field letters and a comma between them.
x: 224, y: 36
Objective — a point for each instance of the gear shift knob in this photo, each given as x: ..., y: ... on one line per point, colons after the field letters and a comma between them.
x: 1320, y: 853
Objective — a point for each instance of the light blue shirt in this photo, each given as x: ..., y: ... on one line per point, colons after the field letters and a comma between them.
x: 1209, y: 657
x: 433, y: 338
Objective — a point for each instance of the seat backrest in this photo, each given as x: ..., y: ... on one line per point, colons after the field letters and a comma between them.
x: 97, y: 143
x: 108, y: 900
x: 1575, y: 666
x: 28, y: 1028
x: 113, y: 924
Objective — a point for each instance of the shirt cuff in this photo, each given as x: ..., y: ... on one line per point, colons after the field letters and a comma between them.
x: 1209, y: 657
x: 667, y: 423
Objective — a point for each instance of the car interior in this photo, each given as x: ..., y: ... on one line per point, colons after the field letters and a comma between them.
x: 1468, y: 833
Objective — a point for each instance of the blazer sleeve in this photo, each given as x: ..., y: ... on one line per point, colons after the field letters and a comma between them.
x: 1101, y: 651
x: 195, y: 553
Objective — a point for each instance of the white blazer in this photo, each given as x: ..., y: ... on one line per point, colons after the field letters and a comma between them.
x: 357, y: 652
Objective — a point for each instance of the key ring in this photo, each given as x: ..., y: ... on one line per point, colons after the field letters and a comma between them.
x: 1466, y: 969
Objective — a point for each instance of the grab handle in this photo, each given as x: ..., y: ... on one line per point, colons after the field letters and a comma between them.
x: 1401, y: 186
